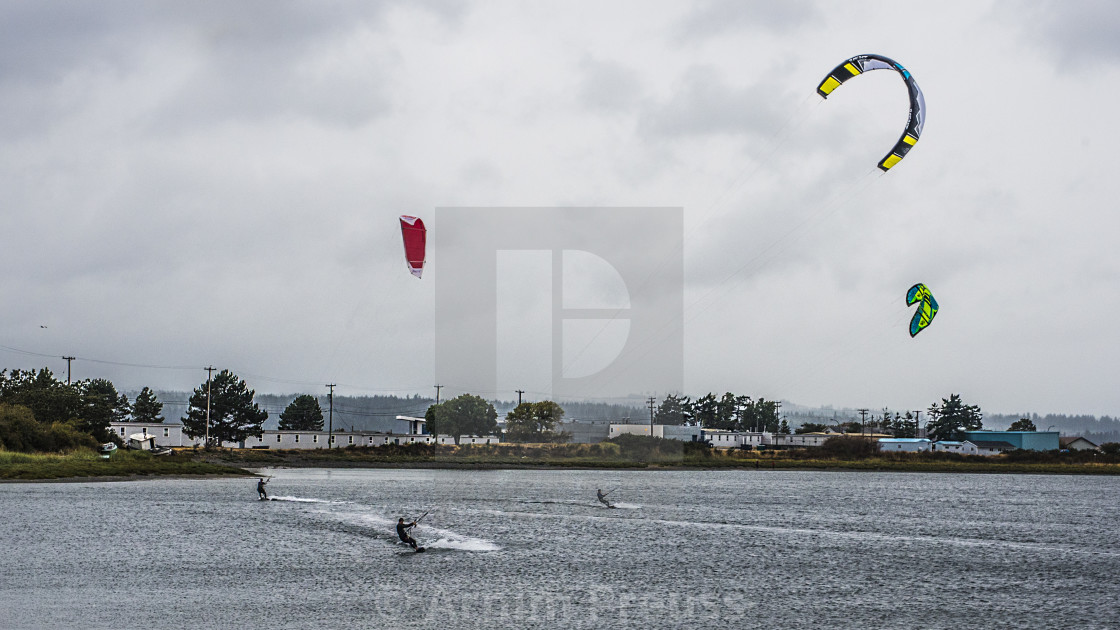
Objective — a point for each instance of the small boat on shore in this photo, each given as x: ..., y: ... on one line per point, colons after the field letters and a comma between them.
x: 107, y: 449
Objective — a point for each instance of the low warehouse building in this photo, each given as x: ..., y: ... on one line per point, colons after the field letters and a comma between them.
x: 1026, y: 440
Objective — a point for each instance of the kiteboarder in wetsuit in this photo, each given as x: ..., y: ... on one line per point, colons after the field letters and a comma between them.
x: 402, y: 531
x: 603, y: 498
x: 260, y: 490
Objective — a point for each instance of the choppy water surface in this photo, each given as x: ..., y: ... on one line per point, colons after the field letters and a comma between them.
x: 533, y: 549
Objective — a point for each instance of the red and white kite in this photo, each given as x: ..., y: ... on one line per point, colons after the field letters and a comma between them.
x: 415, y: 237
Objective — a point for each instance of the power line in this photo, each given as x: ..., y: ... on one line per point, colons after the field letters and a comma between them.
x: 101, y: 361
x: 376, y: 414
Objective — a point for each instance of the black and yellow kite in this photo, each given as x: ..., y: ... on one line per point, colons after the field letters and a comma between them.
x: 864, y: 63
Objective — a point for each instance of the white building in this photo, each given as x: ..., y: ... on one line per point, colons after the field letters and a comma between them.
x: 904, y: 445
x: 952, y: 446
x: 755, y: 439
x: 1074, y: 443
x: 616, y: 429
x: 415, y: 425
x: 800, y: 440
x: 164, y: 433
x: 721, y: 438
x: 277, y: 439
x: 470, y: 439
x: 666, y: 431
x: 680, y: 432
x: 585, y: 432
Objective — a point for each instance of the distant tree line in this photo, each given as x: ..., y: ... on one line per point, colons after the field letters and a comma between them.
x: 729, y: 412
x: 41, y: 413
x: 38, y: 412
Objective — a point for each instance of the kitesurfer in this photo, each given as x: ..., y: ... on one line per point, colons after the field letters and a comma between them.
x: 603, y: 498
x: 260, y: 490
x: 402, y: 531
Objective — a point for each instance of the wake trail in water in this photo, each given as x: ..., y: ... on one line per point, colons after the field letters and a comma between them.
x: 306, y: 500
x: 603, y: 515
x: 886, y: 537
x: 587, y: 504
x: 427, y: 535
x: 553, y: 502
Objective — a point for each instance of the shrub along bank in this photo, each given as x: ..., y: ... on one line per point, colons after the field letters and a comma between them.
x: 632, y: 451
x: 88, y: 463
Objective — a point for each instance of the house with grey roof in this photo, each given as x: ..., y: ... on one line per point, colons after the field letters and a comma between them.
x: 1076, y: 443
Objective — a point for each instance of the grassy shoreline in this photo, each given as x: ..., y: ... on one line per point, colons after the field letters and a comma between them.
x: 190, y: 463
x: 583, y: 456
x: 87, y: 465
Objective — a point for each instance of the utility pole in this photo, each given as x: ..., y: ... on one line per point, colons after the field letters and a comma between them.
x: 435, y: 436
x: 330, y: 416
x: 209, y: 371
x: 519, y: 392
x: 68, y: 360
x: 651, y: 401
x: 862, y: 419
x: 917, y: 423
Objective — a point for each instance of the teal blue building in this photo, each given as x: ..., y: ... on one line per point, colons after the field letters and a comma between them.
x: 1026, y: 440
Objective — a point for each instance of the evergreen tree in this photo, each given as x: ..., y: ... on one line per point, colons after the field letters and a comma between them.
x: 705, y: 411
x: 904, y: 426
x: 49, y: 399
x: 146, y: 407
x: 952, y: 417
x: 101, y: 404
x: 1022, y: 424
x: 302, y: 414
x: 670, y: 411
x: 727, y: 412
x: 233, y: 414
x: 742, y: 409
x: 783, y: 428
x: 767, y: 413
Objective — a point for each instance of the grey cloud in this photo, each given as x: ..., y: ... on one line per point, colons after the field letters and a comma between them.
x: 43, y: 41
x: 1085, y: 35
x: 609, y: 86
x: 243, y: 60
x: 717, y: 17
x: 704, y: 104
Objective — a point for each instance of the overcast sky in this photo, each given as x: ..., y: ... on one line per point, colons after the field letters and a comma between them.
x: 187, y: 184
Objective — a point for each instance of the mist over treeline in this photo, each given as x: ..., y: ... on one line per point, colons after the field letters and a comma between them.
x: 1096, y: 429
x: 376, y: 413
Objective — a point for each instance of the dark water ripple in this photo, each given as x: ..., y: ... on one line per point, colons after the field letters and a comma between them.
x: 532, y: 549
